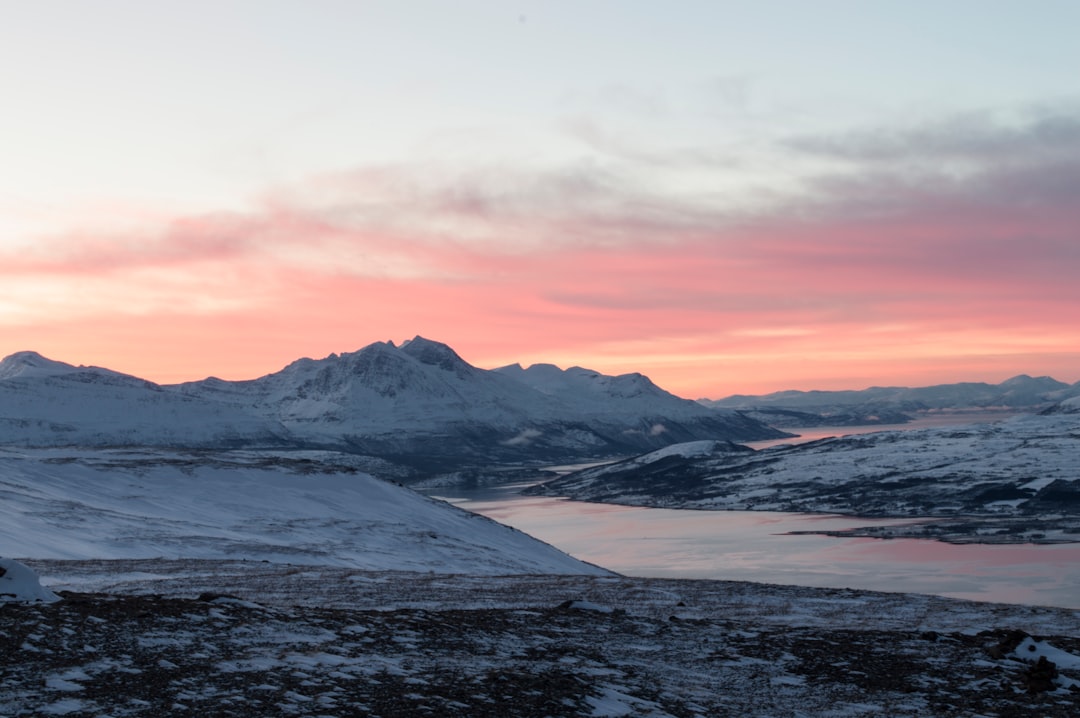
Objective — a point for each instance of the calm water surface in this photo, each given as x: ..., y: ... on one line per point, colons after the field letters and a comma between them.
x: 922, y: 422
x: 752, y: 546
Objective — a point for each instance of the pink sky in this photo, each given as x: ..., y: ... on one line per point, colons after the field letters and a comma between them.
x: 855, y: 281
x: 729, y: 197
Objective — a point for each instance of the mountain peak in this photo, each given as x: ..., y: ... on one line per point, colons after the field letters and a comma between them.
x: 29, y: 363
x: 434, y: 354
x: 24, y: 356
x: 1028, y: 380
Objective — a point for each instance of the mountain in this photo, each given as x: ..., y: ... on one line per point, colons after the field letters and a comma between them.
x: 1011, y: 480
x: 630, y: 408
x: 418, y: 404
x: 588, y: 391
x: 297, y: 509
x: 888, y: 405
x: 50, y: 403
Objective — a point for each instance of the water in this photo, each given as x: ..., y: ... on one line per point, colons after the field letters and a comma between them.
x: 753, y: 546
x: 924, y: 421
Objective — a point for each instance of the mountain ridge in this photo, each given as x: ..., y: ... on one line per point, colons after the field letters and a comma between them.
x: 419, y: 404
x: 897, y: 405
x: 1021, y: 386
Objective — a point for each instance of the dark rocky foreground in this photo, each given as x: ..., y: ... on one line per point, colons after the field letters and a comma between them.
x: 350, y: 643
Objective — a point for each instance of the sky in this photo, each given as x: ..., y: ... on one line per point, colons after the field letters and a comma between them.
x: 730, y: 197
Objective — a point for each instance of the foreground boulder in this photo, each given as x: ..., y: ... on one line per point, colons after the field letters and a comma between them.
x: 18, y: 583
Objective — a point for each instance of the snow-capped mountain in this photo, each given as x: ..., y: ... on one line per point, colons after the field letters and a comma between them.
x: 418, y: 403
x: 384, y: 390
x: 589, y: 392
x: 137, y: 503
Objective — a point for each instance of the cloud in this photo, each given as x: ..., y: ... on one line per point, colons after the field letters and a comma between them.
x: 978, y: 136
x: 590, y: 263
x: 589, y: 242
x: 653, y: 156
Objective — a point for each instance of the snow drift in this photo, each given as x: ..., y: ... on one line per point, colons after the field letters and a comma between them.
x: 19, y: 583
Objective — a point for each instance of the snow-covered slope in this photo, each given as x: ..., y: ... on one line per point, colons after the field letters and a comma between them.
x: 49, y: 403
x: 1069, y: 406
x: 589, y: 391
x: 417, y: 403
x: 143, y: 504
x: 381, y: 389
x: 1025, y: 466
x: 632, y: 406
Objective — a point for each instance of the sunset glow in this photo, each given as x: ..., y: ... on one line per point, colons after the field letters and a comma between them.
x: 697, y: 212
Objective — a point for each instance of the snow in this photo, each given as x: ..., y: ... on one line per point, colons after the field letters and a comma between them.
x: 89, y: 504
x: 612, y: 703
x: 32, y: 364
x: 1012, y: 467
x: 63, y: 707
x: 686, y: 450
x: 1032, y: 650
x: 19, y: 583
x: 1069, y: 406
x: 1036, y: 485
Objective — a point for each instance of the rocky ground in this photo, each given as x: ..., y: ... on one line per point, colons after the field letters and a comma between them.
x: 222, y: 638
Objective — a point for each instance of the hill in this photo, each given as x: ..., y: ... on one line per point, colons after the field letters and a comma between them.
x: 296, y: 508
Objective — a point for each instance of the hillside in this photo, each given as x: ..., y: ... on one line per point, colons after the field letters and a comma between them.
x: 298, y: 509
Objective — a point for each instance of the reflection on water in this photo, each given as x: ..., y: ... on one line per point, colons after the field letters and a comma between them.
x: 752, y: 546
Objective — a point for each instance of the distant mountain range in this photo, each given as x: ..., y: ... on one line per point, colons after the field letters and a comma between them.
x: 418, y: 404
x: 896, y: 405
